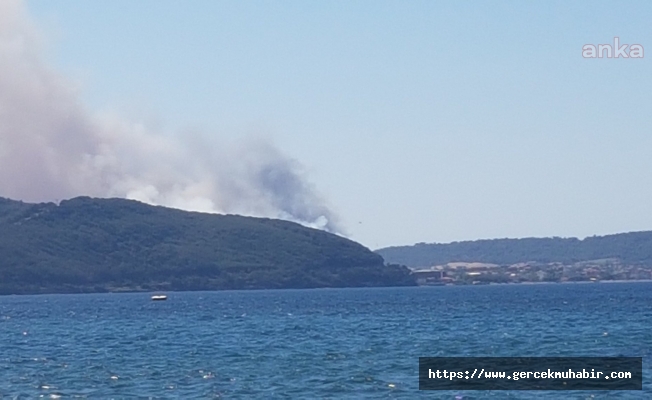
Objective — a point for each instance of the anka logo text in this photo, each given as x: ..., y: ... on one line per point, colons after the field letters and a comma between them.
x: 616, y: 51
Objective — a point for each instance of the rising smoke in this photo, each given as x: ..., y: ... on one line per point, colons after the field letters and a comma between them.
x: 51, y: 148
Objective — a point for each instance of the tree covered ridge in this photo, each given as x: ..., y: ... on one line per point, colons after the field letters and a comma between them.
x: 630, y: 248
x: 86, y: 244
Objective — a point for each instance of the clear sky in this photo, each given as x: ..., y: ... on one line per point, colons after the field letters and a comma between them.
x: 417, y: 121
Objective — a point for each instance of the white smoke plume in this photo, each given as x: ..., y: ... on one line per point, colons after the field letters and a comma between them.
x: 51, y: 148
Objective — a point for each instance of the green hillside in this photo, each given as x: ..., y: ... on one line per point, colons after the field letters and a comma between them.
x: 95, y: 245
x: 632, y: 248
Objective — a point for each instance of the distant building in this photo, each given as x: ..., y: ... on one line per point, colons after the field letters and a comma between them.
x: 428, y: 276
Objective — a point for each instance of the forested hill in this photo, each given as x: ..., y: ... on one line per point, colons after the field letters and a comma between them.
x: 94, y: 245
x: 630, y: 248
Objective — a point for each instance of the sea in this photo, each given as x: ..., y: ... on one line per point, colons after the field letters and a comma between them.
x: 362, y: 343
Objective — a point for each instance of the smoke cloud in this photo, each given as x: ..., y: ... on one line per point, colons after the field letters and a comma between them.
x: 52, y: 148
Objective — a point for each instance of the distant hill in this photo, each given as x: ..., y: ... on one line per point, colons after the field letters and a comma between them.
x: 96, y: 245
x: 630, y: 248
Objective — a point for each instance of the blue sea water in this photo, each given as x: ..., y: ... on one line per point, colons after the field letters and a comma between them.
x: 326, y: 343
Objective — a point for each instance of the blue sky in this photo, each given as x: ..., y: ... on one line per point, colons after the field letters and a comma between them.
x: 419, y: 121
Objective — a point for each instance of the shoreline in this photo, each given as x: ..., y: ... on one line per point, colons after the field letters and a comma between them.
x: 149, y: 292
x: 538, y: 283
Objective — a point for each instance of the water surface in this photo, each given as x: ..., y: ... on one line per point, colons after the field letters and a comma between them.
x: 326, y: 343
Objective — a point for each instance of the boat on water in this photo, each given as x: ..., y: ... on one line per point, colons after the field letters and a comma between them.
x: 159, y: 297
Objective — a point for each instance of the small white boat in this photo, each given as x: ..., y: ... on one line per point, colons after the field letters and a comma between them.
x: 159, y: 297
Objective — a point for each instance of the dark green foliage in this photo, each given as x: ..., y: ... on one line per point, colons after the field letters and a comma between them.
x: 90, y: 245
x: 630, y: 248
